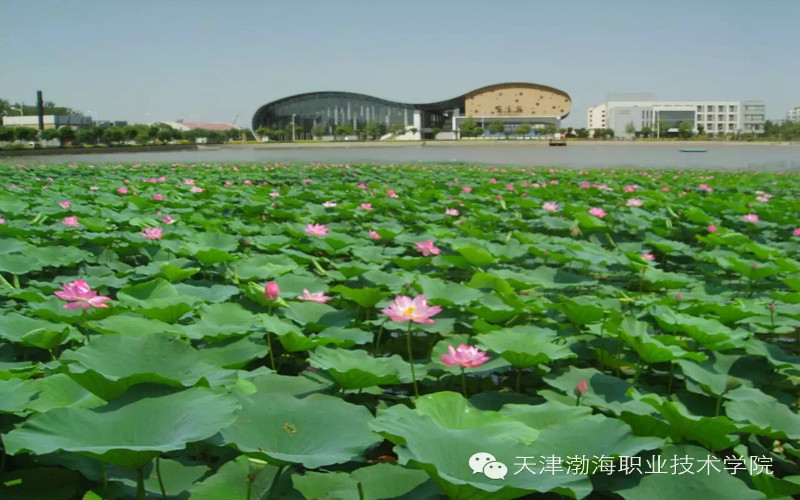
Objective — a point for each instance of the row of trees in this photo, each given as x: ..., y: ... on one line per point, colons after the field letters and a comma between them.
x: 50, y: 108
x: 370, y: 130
x: 141, y: 134
x: 470, y: 128
x: 782, y: 131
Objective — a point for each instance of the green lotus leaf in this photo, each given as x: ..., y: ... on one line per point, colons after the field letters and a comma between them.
x: 112, y: 363
x: 132, y: 324
x: 266, y: 381
x: 524, y: 347
x: 219, y: 321
x: 365, y: 297
x: 16, y: 394
x: 708, y: 332
x: 233, y: 480
x: 444, y: 454
x: 60, y: 391
x: 762, y: 414
x: 715, y: 433
x: 157, y: 299
x: 235, y: 353
x: 474, y: 253
x: 315, y: 431
x: 357, y: 369
x: 206, y: 293
x: 600, y: 436
x: 604, y: 391
x: 315, y: 316
x: 34, y: 332
x: 261, y: 267
x: 376, y: 482
x: 446, y: 293
x: 670, y: 487
x: 544, y: 415
x: 128, y: 435
x: 650, y: 348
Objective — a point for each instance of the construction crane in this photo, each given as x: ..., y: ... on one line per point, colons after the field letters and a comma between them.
x: 244, y: 134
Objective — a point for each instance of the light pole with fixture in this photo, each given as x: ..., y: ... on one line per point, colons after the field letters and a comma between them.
x: 293, y: 130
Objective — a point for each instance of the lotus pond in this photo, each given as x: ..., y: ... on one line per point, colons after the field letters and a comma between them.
x: 420, y: 332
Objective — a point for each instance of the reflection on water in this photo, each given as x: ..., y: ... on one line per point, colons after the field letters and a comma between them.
x: 727, y: 157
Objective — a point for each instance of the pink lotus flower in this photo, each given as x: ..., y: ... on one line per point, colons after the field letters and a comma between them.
x: 451, y: 211
x: 71, y: 221
x: 122, y: 190
x: 188, y: 182
x: 753, y: 218
x: 466, y: 189
x: 228, y: 184
x: 763, y: 198
x: 316, y: 230
x: 366, y: 206
x: 464, y: 356
x: 64, y: 204
x: 2, y: 220
x: 705, y: 187
x: 648, y: 256
x: 307, y: 181
x: 634, y: 202
x: 153, y: 233
x: 405, y: 308
x: 679, y: 297
x: 80, y: 296
x: 330, y: 204
x: 630, y: 188
x: 275, y: 194
x: 581, y: 388
x: 374, y: 235
x: 168, y: 220
x: 510, y: 187
x: 196, y: 189
x: 93, y: 188
x: 712, y: 228
x: 391, y: 194
x: 796, y: 231
x: 162, y: 179
x: 318, y: 297
x: 493, y: 180
x: 597, y: 212
x: 550, y: 206
x: 271, y: 291
x: 362, y: 186
x: 158, y: 197
x: 427, y: 248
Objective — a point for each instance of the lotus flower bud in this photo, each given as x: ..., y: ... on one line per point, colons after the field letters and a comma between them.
x: 581, y: 388
x: 271, y: 291
x: 679, y: 297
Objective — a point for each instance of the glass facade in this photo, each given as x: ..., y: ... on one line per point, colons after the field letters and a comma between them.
x: 331, y: 109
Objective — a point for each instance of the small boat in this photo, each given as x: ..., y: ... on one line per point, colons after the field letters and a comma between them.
x: 693, y: 150
x: 558, y: 143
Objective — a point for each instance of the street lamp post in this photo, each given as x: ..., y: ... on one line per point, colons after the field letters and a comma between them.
x: 18, y: 109
x: 293, y: 131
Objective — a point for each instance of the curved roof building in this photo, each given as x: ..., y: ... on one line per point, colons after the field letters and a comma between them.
x: 511, y: 103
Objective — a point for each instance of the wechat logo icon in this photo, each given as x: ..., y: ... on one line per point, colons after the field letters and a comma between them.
x: 485, y: 463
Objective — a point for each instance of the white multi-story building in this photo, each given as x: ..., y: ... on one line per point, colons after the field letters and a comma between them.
x: 793, y: 115
x: 596, y: 117
x: 625, y: 113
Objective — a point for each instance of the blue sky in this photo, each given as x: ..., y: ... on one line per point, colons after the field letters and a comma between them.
x: 144, y: 61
